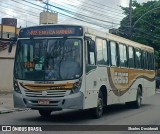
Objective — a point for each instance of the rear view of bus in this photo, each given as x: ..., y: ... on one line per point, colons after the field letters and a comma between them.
x: 48, y: 68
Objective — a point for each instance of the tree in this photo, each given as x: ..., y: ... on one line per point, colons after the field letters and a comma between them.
x: 145, y: 25
x: 147, y: 29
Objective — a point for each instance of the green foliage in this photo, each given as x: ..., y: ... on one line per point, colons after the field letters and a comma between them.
x: 147, y: 29
x: 145, y: 25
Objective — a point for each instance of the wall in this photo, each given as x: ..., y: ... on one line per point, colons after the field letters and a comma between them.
x: 6, y: 70
x: 6, y: 74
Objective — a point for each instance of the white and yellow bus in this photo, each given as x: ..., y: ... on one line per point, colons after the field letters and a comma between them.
x: 74, y: 67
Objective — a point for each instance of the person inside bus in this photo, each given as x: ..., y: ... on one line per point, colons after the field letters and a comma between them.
x: 51, y: 73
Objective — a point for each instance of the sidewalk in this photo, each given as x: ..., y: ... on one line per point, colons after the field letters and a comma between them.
x: 6, y: 103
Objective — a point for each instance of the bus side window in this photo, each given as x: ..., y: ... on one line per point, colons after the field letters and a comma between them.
x: 123, y: 55
x: 153, y: 62
x: 150, y: 59
x: 102, y: 54
x: 144, y: 60
x: 131, y: 57
x: 138, y: 58
x: 113, y: 53
x: 99, y: 46
x: 90, y: 52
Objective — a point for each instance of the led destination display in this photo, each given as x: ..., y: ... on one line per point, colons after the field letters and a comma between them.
x: 51, y: 31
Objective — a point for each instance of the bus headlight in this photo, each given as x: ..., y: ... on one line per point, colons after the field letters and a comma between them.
x: 76, y: 87
x: 16, y: 87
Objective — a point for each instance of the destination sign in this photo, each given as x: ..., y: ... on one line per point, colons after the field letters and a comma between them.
x: 51, y: 31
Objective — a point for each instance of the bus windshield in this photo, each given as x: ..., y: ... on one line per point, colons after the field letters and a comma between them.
x: 48, y: 59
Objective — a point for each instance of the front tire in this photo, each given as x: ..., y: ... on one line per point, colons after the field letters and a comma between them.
x: 45, y: 113
x: 98, y: 111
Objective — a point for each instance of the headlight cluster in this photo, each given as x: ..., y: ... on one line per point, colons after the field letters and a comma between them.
x: 16, y: 87
x: 76, y: 87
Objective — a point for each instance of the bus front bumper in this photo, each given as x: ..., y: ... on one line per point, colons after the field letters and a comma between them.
x: 72, y: 101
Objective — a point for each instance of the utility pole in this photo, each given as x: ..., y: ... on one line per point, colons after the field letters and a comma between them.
x: 130, y: 19
x: 47, y: 5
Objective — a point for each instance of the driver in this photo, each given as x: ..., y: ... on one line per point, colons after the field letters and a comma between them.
x: 51, y: 73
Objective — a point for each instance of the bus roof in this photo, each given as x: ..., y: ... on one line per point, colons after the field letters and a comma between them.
x: 108, y: 36
x: 118, y: 39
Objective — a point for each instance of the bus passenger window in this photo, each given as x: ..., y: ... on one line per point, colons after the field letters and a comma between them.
x: 90, y: 53
x: 144, y: 60
x: 131, y: 58
x: 102, y: 55
x: 113, y: 53
x: 105, y: 52
x: 99, y: 43
x: 92, y: 59
x: 123, y: 55
x: 138, y: 58
x: 150, y: 61
x: 153, y: 61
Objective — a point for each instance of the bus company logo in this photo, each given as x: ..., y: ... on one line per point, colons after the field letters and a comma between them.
x: 44, y: 82
x: 44, y: 93
x: 121, y: 77
x: 6, y: 128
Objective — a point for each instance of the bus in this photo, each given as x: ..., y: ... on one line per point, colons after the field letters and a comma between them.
x: 60, y: 67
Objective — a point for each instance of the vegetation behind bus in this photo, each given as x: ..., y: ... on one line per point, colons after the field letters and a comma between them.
x: 146, y: 30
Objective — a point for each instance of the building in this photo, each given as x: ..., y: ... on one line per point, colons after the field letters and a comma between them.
x: 8, y: 29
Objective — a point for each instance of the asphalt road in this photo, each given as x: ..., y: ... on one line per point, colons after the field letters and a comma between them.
x: 148, y: 114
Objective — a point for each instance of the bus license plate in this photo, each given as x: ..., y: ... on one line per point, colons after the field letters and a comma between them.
x: 43, y: 102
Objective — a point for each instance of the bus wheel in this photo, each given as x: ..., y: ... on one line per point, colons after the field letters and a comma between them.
x: 45, y: 113
x: 98, y: 111
x: 137, y: 103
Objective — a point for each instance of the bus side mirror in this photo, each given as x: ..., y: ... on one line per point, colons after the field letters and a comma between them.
x: 12, y: 41
x: 91, y: 44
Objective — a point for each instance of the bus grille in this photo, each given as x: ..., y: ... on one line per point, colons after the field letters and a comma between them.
x: 47, y: 93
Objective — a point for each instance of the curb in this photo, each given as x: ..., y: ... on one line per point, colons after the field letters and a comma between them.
x: 5, y: 110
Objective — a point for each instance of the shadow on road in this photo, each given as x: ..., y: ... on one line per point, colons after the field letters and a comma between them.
x: 77, y: 117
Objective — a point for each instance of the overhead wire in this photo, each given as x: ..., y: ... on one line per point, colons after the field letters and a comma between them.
x: 158, y: 37
x: 68, y: 15
x: 102, y: 5
x: 92, y: 18
x: 90, y: 11
x: 82, y: 15
x: 24, y: 11
x: 74, y: 13
x: 78, y: 19
x: 18, y: 18
x: 87, y: 22
x: 85, y: 4
x: 90, y: 8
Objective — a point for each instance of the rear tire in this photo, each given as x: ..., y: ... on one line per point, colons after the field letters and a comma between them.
x: 138, y: 102
x: 45, y: 113
x: 98, y: 111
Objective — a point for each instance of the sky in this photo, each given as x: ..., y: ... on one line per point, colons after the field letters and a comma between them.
x: 104, y: 14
